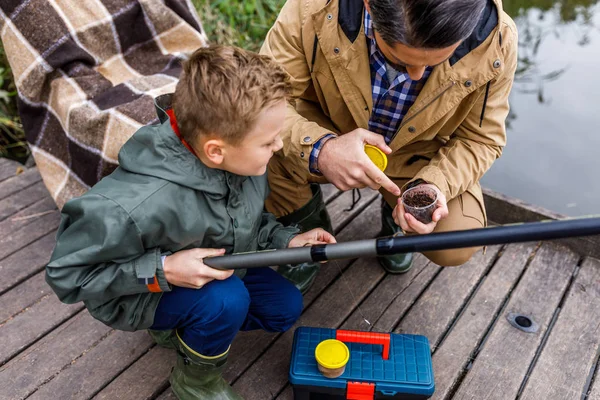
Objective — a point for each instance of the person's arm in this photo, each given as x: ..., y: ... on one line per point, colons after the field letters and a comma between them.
x: 477, y: 143
x: 100, y: 254
x: 273, y: 235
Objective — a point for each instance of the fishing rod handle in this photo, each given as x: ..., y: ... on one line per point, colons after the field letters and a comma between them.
x: 295, y: 255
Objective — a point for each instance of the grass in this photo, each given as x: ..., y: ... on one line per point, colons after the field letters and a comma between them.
x: 239, y: 23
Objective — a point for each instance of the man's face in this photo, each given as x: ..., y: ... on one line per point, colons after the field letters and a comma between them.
x: 251, y: 156
x: 414, y: 61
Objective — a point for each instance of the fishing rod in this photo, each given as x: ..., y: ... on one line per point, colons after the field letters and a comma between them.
x: 512, y: 233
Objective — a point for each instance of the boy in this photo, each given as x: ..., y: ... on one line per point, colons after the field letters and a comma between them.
x: 192, y: 187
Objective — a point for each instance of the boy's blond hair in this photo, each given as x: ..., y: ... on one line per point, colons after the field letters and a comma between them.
x: 223, y: 89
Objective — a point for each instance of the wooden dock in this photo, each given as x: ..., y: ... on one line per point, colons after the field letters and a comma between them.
x: 50, y: 350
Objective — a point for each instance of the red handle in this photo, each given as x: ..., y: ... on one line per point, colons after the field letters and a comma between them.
x: 366, y: 337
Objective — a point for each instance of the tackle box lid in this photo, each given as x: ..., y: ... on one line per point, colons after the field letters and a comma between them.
x: 407, y: 369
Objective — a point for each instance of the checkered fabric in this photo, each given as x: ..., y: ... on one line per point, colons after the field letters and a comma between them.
x: 392, y: 101
x: 87, y: 72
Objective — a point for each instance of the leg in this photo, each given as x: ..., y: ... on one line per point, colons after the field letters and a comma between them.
x: 296, y: 201
x: 205, y: 321
x: 464, y: 213
x: 275, y: 304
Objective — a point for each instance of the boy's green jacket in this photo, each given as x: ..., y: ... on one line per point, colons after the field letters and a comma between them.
x: 161, y: 199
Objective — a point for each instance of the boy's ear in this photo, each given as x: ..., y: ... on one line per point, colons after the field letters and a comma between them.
x: 214, y: 150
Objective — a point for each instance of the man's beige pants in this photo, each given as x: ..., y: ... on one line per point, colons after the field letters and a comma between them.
x: 290, y: 191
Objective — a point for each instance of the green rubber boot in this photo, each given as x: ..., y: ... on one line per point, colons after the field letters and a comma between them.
x: 399, y: 263
x: 198, y: 377
x: 312, y: 215
x: 163, y: 338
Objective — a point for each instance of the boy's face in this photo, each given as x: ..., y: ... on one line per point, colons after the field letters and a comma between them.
x: 251, y: 156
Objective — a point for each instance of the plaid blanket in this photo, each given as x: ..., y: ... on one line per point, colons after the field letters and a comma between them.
x: 87, y: 72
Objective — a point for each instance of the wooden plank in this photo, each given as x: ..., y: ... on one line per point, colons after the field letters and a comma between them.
x: 508, y: 352
x: 268, y: 375
x: 26, y: 262
x: 595, y: 389
x: 27, y: 216
x: 32, y: 323
x: 145, y: 379
x: 452, y: 357
x: 287, y: 394
x: 330, y: 192
x: 89, y: 373
x: 22, y: 237
x: 395, y: 288
x: 39, y: 363
x: 9, y: 168
x: 22, y: 199
x: 508, y: 210
x: 19, y: 182
x: 342, y: 212
x: 563, y: 368
x: 437, y: 307
x: 167, y: 395
x: 23, y: 296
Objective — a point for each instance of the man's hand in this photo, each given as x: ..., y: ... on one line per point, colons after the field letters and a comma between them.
x: 408, y: 223
x: 344, y: 163
x: 315, y: 236
x: 186, y: 269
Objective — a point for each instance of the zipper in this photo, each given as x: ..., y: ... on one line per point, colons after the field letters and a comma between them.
x: 424, y: 107
x: 485, y: 99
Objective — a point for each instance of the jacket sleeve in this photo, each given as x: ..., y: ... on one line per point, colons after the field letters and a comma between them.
x: 100, y: 255
x: 477, y: 143
x: 273, y: 235
x: 284, y: 44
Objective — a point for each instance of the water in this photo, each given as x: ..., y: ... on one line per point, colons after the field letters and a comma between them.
x: 551, y: 158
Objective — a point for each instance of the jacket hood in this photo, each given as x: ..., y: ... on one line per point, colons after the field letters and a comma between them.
x: 157, y: 151
x: 487, y: 23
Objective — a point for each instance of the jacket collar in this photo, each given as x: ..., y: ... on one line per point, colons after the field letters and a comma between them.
x: 348, y: 57
x: 157, y: 151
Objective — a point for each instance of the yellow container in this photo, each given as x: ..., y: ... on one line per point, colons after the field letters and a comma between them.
x: 332, y: 356
x: 377, y: 156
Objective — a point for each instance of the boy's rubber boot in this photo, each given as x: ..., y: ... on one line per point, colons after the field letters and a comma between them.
x: 163, y: 338
x: 312, y: 215
x: 399, y: 263
x: 199, y: 377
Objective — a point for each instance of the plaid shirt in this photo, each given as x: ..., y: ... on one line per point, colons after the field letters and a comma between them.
x: 391, y: 102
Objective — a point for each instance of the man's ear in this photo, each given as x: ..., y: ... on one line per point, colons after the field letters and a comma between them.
x: 214, y: 150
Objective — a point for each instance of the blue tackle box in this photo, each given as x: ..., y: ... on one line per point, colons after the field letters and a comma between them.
x: 380, y: 366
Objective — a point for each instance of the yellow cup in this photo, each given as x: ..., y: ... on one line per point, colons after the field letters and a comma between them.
x: 377, y: 156
x: 332, y: 356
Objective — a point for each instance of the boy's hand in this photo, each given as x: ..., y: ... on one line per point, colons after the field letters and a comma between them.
x: 315, y: 236
x: 186, y: 269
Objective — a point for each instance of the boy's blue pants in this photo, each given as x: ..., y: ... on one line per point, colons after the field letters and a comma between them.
x: 208, y: 319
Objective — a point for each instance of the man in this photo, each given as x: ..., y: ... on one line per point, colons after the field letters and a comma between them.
x: 427, y: 81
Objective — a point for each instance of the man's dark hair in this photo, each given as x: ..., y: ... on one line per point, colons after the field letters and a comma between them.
x: 425, y: 24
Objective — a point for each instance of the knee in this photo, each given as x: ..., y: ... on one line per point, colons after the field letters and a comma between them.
x: 451, y: 258
x: 227, y: 303
x: 289, y: 312
x: 294, y: 309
